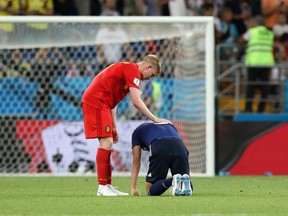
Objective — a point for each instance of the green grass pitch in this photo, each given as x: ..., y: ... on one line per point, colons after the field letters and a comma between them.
x: 229, y: 195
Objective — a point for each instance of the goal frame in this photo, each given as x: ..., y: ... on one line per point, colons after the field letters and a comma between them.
x: 209, y: 59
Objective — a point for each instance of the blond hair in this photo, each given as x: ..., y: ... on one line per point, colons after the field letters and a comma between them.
x: 154, y: 60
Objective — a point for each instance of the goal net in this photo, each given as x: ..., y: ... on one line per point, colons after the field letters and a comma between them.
x: 47, y: 62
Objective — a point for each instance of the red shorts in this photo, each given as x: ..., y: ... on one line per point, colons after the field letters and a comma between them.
x: 97, y: 123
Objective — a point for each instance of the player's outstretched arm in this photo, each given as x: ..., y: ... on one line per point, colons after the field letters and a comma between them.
x: 136, y: 151
x: 142, y: 108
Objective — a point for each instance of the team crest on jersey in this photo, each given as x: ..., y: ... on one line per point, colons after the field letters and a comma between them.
x: 136, y: 81
x: 107, y: 128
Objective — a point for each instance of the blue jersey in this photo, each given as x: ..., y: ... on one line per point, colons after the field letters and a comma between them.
x: 146, y: 133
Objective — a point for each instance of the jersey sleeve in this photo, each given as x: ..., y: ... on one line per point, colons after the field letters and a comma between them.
x: 132, y: 75
x: 135, y: 139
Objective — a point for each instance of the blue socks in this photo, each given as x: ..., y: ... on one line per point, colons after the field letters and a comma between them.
x: 160, y: 187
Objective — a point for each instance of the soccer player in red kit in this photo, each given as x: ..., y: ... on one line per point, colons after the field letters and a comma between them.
x: 99, y: 103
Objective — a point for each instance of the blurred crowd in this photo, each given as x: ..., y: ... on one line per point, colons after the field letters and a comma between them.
x: 231, y: 19
x: 230, y: 15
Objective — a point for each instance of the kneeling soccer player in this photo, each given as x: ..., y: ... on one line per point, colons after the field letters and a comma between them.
x: 167, y: 151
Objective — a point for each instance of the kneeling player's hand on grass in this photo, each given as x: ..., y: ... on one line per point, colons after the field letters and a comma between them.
x: 135, y: 192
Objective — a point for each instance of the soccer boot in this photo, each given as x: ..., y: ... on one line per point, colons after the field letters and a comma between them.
x: 119, y: 193
x: 106, y: 191
x: 176, y: 185
x: 187, y: 188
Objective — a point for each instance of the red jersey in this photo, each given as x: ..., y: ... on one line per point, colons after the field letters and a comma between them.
x: 110, y: 86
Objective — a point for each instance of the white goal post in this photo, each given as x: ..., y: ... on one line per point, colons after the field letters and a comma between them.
x: 46, y: 62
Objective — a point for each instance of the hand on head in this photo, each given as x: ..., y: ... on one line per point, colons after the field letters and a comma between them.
x: 160, y: 120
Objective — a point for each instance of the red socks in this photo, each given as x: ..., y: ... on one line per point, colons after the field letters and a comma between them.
x: 109, y: 178
x: 104, y: 169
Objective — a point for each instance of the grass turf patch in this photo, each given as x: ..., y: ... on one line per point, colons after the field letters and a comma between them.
x: 43, y: 196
